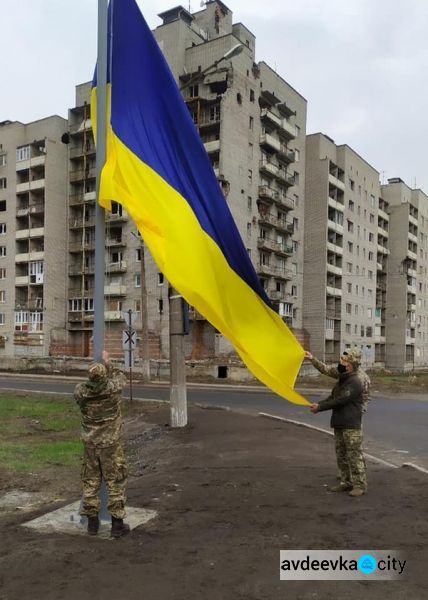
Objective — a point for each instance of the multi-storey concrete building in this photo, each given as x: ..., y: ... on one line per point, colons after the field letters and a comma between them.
x: 346, y: 250
x: 253, y: 125
x: 33, y: 232
x: 407, y: 315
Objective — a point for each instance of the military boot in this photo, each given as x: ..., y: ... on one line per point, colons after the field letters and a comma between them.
x: 342, y: 487
x: 356, y: 492
x: 93, y: 525
x: 118, y: 528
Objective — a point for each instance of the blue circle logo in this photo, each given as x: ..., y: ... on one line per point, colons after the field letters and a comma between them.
x: 367, y: 564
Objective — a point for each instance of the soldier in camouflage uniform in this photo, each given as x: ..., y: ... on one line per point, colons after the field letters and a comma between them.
x: 346, y: 403
x: 99, y: 399
x: 332, y: 371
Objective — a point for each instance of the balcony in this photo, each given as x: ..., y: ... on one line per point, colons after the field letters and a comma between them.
x: 333, y: 291
x: 268, y: 167
x: 79, y: 223
x: 27, y: 256
x: 35, y: 184
x: 331, y: 334
x: 115, y: 290
x: 268, y: 115
x: 334, y: 226
x: 278, y: 272
x: 81, y: 246
x: 80, y: 174
x: 280, y: 224
x: 286, y: 155
x: 78, y: 271
x: 77, y: 292
x: 116, y: 217
x: 34, y: 232
x: 412, y: 272
x: 335, y: 248
x: 77, y: 199
x: 112, y: 242
x: 288, y: 129
x: 383, y: 232
x: 270, y: 142
x: 412, y: 255
x: 411, y: 307
x: 379, y: 339
x: 337, y: 182
x: 76, y: 151
x: 379, y: 266
x: 411, y: 289
x: 413, y: 220
x: 276, y: 295
x: 34, y: 161
x: 382, y: 249
x: 213, y: 146
x: 334, y: 269
x: 118, y: 267
x: 285, y: 178
x: 383, y: 215
x: 22, y: 280
x: 335, y: 204
x: 412, y: 237
x: 113, y: 315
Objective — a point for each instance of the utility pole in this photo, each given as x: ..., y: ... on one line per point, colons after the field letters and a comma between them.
x: 178, y: 390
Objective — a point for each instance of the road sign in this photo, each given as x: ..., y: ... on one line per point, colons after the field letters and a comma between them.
x: 129, y: 339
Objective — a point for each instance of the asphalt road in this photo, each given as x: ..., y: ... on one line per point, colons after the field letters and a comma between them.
x: 395, y: 428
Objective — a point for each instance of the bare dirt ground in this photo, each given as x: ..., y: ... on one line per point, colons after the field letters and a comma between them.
x: 231, y: 491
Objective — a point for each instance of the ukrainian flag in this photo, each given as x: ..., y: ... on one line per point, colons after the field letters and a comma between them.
x: 158, y: 169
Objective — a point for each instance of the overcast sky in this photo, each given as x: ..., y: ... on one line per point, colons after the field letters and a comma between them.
x: 362, y: 65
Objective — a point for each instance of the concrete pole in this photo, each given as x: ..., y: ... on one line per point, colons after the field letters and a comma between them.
x: 178, y: 390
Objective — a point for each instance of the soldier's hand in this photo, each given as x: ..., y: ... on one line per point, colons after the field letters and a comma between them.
x: 314, y: 408
x: 308, y: 355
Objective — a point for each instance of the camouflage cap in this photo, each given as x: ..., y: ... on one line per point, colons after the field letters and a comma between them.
x: 352, y: 356
x: 97, y: 371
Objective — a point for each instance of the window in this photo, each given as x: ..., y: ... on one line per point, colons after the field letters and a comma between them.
x: 137, y: 306
x: 350, y: 226
x: 370, y: 274
x: 349, y: 267
x: 137, y: 280
x: 349, y: 309
x: 160, y: 278
x: 296, y: 199
x: 352, y: 184
x: 296, y: 178
x: 250, y: 175
x: 249, y: 226
x: 350, y: 247
x: 2, y: 160
x: 138, y: 254
x: 297, y: 130
x: 369, y: 313
x: 2, y: 228
x: 371, y: 237
x: 296, y: 155
x: 371, y: 218
x: 348, y: 328
x: 160, y: 306
x: 249, y: 203
x: 2, y: 296
x: 2, y: 273
x: 215, y: 113
x: 295, y: 224
x: 252, y: 96
x: 362, y: 329
x: 2, y: 251
x: 194, y: 91
x: 351, y: 206
x: 22, y: 153
x: 251, y: 123
x: 371, y: 256
x: 2, y: 319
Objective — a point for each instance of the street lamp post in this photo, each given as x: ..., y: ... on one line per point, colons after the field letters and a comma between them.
x: 177, y: 321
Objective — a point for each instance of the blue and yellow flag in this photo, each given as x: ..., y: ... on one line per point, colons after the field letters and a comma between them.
x: 158, y: 169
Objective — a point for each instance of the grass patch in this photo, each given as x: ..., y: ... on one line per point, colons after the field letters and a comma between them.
x: 38, y: 455
x: 37, y: 432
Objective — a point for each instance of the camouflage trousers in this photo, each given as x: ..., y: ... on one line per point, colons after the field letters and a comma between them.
x: 108, y: 464
x: 349, y: 456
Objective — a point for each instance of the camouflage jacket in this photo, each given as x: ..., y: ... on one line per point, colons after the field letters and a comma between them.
x: 345, y: 401
x: 333, y: 372
x: 100, y: 407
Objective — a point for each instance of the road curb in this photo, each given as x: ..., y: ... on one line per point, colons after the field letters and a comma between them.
x: 415, y: 467
x: 375, y: 459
